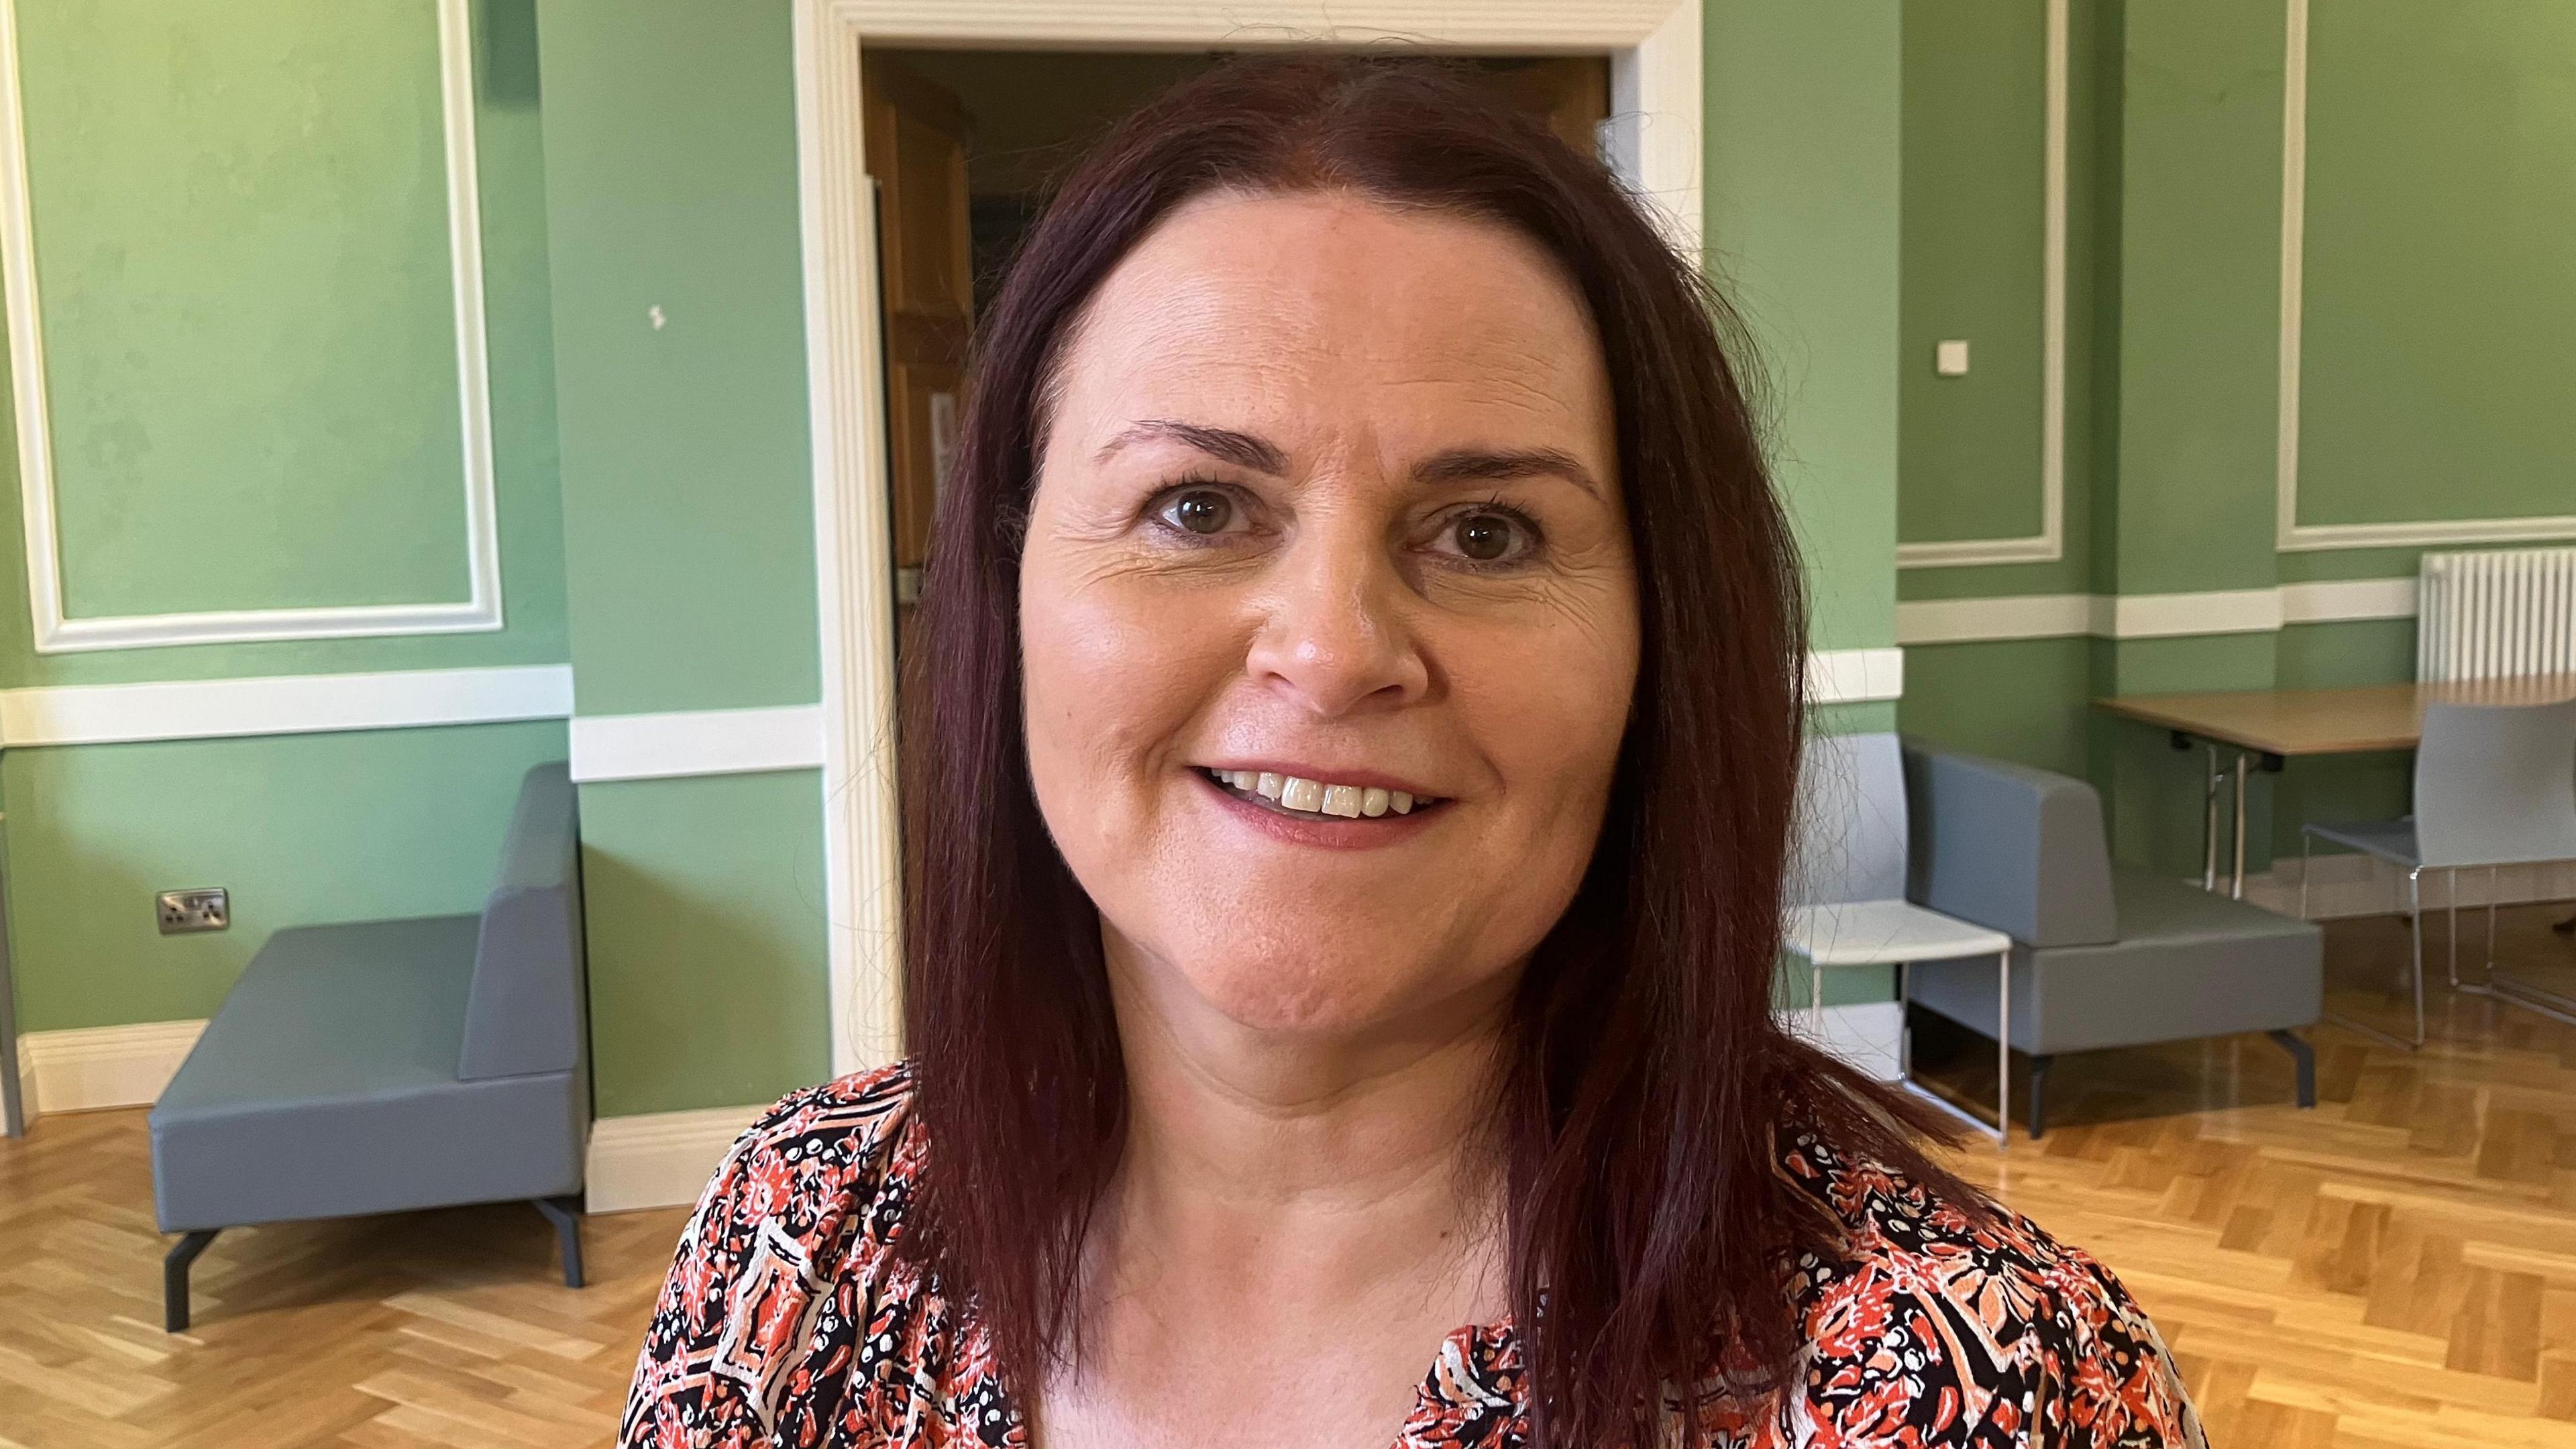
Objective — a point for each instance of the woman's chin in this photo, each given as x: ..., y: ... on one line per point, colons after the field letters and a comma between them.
x: 1316, y: 999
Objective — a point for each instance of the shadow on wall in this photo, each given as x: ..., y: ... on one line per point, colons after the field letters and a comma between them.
x: 708, y: 969
x: 507, y: 68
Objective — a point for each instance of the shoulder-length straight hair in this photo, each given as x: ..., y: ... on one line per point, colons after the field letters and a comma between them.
x: 1646, y: 1077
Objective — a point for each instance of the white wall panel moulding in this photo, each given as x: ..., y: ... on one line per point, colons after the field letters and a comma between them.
x: 2151, y: 616
x: 479, y: 611
x: 102, y: 1066
x: 696, y: 742
x: 1855, y: 676
x: 2290, y: 534
x: 2049, y: 544
x: 293, y: 704
x: 659, y: 1159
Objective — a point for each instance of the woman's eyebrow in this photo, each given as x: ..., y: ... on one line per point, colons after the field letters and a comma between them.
x: 1241, y: 449
x: 1464, y: 465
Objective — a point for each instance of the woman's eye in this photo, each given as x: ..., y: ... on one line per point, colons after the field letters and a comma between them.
x: 1200, y: 511
x: 1488, y: 536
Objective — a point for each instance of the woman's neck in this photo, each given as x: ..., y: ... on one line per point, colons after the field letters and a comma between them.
x: 1225, y: 1116
x: 1332, y: 1165
x: 1296, y: 1222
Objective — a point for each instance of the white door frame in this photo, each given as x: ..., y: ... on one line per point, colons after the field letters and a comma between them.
x: 1655, y: 101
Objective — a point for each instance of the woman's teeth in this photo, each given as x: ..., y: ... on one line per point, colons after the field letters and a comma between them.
x: 1314, y: 797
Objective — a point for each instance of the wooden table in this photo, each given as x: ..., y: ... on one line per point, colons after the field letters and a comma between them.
x: 2263, y: 727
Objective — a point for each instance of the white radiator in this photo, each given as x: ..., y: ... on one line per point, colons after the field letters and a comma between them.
x: 2496, y: 613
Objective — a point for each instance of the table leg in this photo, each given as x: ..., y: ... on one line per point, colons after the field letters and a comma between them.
x: 2209, y: 820
x: 2237, y: 887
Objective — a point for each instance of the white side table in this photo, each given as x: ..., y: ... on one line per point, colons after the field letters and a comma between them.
x: 1897, y: 933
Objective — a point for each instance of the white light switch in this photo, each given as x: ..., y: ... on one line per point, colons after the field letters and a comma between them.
x: 1950, y: 359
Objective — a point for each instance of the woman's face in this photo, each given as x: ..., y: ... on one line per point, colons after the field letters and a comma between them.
x: 1328, y: 507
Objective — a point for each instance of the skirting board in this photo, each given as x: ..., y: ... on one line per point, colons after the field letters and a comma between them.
x: 659, y: 1159
x: 2356, y: 885
x: 1866, y: 1035
x: 88, y: 1068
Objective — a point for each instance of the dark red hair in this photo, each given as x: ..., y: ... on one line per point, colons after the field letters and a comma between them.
x: 1646, y: 1077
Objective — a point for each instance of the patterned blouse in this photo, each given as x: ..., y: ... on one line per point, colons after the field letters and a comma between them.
x: 789, y: 1321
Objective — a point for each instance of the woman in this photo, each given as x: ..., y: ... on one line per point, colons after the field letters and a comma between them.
x: 1357, y: 709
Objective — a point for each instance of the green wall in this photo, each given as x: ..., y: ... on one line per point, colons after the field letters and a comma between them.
x: 240, y: 225
x: 2440, y: 327
x: 301, y: 828
x: 2437, y: 306
x: 1802, y: 207
x: 1974, y: 187
x: 688, y: 531
x: 706, y: 939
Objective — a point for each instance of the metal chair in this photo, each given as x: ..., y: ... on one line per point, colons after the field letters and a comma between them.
x: 1850, y: 884
x: 2495, y: 785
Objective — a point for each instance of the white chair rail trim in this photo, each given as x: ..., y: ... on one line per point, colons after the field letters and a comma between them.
x: 1855, y: 676
x: 292, y: 704
x: 609, y: 747
x: 2152, y: 616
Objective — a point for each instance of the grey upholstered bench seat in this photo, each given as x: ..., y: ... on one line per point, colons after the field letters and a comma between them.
x: 2103, y: 955
x: 326, y: 1087
x: 385, y: 1066
x: 2188, y: 963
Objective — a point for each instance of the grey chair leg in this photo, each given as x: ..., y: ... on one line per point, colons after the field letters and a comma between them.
x: 565, y: 1214
x: 2306, y: 1057
x: 2039, y: 1065
x: 2415, y: 905
x: 174, y: 1278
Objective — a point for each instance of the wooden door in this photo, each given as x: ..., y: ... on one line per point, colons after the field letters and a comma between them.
x: 1571, y: 93
x: 916, y: 153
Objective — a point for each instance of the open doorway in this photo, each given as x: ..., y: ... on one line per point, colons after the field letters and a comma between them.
x: 964, y: 146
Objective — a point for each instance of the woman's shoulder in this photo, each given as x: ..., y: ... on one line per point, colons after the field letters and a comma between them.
x: 1969, y: 1320
x: 818, y: 1154
x: 849, y: 1125
x: 788, y: 1252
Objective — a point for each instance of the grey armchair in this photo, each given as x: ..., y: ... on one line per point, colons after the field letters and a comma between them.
x: 384, y: 1066
x: 2103, y: 956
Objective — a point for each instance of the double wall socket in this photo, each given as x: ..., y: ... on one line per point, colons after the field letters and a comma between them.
x: 199, y: 910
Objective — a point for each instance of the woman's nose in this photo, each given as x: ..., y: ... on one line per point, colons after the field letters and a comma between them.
x: 1334, y: 631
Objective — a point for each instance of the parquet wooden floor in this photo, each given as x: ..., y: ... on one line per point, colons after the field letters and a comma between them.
x: 449, y: 1329
x: 2396, y: 1268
